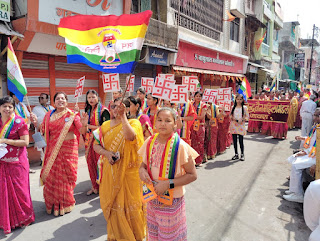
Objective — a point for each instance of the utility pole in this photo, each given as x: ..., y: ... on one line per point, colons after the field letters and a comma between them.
x: 311, y: 58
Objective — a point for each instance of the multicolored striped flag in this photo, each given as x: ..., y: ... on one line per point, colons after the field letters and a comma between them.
x: 16, y: 82
x: 245, y: 89
x: 273, y: 85
x: 110, y: 44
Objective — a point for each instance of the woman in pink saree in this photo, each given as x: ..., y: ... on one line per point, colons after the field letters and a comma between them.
x: 16, y: 208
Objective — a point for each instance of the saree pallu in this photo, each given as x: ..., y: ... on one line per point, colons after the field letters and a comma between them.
x: 60, y: 166
x: 254, y: 126
x: 223, y: 137
x: 211, y: 141
x: 279, y: 130
x: 167, y: 222
x: 16, y: 208
x: 120, y: 187
x: 146, y: 125
x: 197, y: 142
x: 186, y: 111
x: 266, y: 128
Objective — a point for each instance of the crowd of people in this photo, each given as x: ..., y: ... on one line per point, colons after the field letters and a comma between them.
x: 138, y: 139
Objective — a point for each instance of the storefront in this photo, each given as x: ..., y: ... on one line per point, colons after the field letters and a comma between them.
x: 214, y: 68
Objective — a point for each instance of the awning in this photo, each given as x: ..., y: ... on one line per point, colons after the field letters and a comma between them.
x: 256, y: 65
x: 5, y: 29
x: 205, y: 71
x: 268, y: 71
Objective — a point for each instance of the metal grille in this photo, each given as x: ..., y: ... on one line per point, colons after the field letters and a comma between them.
x: 201, y: 16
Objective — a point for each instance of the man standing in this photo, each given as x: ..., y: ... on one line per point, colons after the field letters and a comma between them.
x: 41, y: 110
x: 308, y: 107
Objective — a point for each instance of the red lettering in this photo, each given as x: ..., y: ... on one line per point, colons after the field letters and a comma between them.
x: 105, y: 5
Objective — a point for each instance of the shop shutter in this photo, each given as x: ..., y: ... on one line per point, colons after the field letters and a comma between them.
x: 35, y: 70
x: 142, y: 70
x: 67, y: 76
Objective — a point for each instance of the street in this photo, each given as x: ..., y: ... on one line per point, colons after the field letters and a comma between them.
x: 230, y: 201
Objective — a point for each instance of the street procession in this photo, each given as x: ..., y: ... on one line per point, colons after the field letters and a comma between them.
x: 159, y: 120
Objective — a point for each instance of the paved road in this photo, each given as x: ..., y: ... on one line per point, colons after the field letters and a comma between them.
x: 230, y: 201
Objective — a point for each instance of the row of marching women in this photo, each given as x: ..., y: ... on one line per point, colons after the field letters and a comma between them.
x: 295, y: 116
x: 135, y: 137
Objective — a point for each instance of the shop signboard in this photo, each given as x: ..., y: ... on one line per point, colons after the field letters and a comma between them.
x: 299, y: 60
x: 5, y: 10
x: 193, y: 56
x: 52, y: 11
x: 157, y: 57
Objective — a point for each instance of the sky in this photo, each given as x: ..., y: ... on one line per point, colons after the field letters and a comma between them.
x: 307, y: 12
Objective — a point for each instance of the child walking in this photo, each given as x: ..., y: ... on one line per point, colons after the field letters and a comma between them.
x: 239, y: 115
x: 168, y: 165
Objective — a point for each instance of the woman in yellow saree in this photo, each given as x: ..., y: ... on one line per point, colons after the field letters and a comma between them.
x: 118, y: 141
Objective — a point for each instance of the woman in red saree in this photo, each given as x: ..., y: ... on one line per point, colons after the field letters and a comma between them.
x: 16, y: 208
x: 59, y: 172
x: 198, y: 129
x: 135, y: 112
x: 223, y: 131
x: 152, y: 109
x: 187, y: 115
x: 279, y: 130
x: 254, y: 126
x: 212, y: 131
x: 97, y: 114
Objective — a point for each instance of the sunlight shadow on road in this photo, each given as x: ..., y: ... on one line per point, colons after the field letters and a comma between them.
x: 82, y: 229
x: 220, y: 164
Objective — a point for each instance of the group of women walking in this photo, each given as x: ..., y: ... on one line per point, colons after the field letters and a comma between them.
x: 135, y: 141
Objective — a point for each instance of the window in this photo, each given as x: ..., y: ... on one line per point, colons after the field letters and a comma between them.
x: 234, y: 29
x: 250, y: 5
x: 267, y: 32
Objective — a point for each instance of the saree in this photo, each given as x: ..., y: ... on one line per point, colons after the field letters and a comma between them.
x: 293, y: 109
x: 152, y: 117
x: 91, y: 156
x: 212, y: 133
x: 120, y: 186
x: 223, y: 134
x: 198, y: 131
x: 60, y: 165
x: 145, y: 124
x: 279, y: 130
x: 187, y: 110
x: 16, y: 208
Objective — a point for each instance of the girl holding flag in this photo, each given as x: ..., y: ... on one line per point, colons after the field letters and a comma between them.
x: 166, y: 214
x: 16, y: 208
x: 97, y: 114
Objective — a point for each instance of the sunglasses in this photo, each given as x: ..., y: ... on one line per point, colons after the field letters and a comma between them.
x: 42, y: 98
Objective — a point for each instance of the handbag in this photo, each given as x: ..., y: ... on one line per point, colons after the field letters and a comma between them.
x: 39, y: 141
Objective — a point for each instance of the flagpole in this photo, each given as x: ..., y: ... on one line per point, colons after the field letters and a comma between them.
x: 28, y: 103
x: 124, y: 94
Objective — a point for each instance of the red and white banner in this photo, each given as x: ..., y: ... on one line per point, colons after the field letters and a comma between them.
x: 130, y: 88
x: 224, y: 98
x: 163, y: 88
x: 79, y: 88
x: 147, y: 84
x: 166, y: 76
x: 111, y: 82
x: 191, y: 82
x: 179, y: 94
x: 210, y: 95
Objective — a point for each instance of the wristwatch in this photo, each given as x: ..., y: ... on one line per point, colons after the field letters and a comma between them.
x: 171, y: 184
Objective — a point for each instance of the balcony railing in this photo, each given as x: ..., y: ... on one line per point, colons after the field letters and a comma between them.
x: 162, y: 34
x: 265, y: 49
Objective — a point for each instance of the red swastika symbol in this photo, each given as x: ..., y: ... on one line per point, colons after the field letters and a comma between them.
x: 190, y: 81
x: 110, y: 82
x: 162, y: 88
x: 179, y: 94
x: 147, y: 84
x: 210, y: 95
